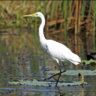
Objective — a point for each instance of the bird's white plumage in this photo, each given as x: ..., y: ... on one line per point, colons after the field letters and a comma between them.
x: 58, y: 51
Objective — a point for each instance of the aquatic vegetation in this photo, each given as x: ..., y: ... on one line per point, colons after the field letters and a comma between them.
x: 91, y: 61
x: 46, y: 83
x: 76, y: 72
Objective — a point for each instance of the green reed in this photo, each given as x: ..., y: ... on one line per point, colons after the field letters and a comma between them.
x: 53, y: 9
x: 89, y: 19
x: 70, y: 10
x: 83, y: 9
x: 65, y: 18
x: 94, y: 24
x: 90, y: 8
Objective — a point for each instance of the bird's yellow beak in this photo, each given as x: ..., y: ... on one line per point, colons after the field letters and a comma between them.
x: 30, y: 15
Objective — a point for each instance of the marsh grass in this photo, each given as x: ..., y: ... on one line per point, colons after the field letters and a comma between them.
x: 94, y: 24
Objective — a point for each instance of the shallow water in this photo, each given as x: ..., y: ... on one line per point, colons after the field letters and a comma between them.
x: 22, y: 58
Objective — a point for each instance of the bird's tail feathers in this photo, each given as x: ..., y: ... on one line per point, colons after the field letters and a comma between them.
x: 75, y: 60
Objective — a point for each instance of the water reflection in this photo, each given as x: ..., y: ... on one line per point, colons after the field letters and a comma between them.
x: 22, y: 58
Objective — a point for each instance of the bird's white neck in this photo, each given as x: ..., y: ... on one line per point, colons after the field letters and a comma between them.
x: 41, y: 32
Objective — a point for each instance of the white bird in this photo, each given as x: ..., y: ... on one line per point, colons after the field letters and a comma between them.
x: 56, y: 50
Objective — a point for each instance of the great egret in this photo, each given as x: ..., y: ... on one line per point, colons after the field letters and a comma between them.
x: 56, y: 50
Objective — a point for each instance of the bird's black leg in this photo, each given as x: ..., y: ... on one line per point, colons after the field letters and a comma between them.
x: 63, y: 66
x: 58, y: 77
x: 60, y: 74
x: 55, y: 75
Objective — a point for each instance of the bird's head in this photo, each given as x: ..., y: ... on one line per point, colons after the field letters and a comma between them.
x: 37, y: 14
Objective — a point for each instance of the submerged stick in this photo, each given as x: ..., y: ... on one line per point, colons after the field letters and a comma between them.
x: 82, y: 77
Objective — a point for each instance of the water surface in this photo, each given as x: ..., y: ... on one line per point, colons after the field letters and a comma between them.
x: 22, y: 58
